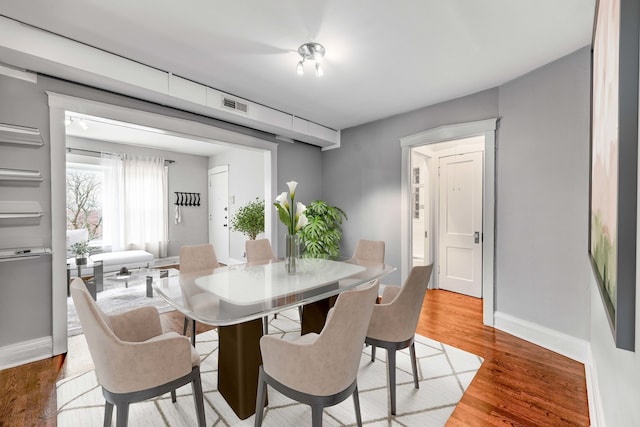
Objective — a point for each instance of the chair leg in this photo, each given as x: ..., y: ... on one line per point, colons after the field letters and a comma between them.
x: 198, y: 399
x: 356, y: 404
x: 300, y: 312
x: 373, y: 353
x: 316, y: 415
x: 186, y: 325
x: 108, y: 413
x: 414, y: 365
x: 391, y: 367
x: 173, y: 396
x: 193, y: 333
x: 122, y: 414
x: 260, y: 398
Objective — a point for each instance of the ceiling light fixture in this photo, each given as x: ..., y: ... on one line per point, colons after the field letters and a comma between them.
x: 314, y: 52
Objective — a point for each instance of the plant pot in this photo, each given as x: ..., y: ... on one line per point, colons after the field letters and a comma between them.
x: 81, y: 260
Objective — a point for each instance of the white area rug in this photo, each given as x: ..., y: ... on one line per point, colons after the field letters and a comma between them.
x: 115, y: 298
x: 445, y: 372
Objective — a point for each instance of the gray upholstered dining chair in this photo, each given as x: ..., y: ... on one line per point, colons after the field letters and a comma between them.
x: 259, y: 251
x: 194, y: 259
x: 369, y: 250
x: 394, y: 321
x: 134, y: 359
x: 320, y: 370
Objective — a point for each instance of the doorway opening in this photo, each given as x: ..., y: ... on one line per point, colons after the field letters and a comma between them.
x: 448, y: 208
x: 60, y: 106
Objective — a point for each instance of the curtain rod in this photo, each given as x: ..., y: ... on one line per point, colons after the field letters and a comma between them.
x: 70, y: 149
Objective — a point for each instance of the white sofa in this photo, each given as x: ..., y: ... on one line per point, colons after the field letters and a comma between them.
x: 111, y: 261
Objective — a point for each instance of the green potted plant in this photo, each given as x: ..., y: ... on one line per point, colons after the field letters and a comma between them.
x: 321, y: 236
x: 80, y: 250
x: 249, y: 219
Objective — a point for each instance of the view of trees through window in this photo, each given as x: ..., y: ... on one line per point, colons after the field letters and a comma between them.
x: 84, y: 199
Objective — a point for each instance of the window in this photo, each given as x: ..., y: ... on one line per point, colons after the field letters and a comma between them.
x: 85, y: 183
x: 121, y: 200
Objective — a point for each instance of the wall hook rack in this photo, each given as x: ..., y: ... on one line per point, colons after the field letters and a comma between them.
x: 187, y: 199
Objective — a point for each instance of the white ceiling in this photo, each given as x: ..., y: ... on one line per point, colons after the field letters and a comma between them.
x: 383, y: 57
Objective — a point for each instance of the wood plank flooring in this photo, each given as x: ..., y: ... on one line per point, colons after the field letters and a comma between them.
x: 519, y: 383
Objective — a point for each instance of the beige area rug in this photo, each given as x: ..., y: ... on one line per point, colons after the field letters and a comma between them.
x: 445, y: 372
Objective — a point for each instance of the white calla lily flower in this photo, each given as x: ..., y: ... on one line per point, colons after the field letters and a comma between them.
x: 292, y: 188
x: 300, y: 208
x: 283, y: 200
x: 302, y: 221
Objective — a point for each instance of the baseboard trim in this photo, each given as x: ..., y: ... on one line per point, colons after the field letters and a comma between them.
x: 566, y: 345
x: 596, y: 411
x: 25, y: 352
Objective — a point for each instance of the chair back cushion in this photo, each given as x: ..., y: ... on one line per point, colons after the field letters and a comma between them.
x: 197, y: 258
x: 369, y: 250
x: 98, y: 332
x: 397, y: 320
x: 259, y: 251
x: 325, y: 364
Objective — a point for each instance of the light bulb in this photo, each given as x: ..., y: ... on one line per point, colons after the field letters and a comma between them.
x: 300, y: 68
x: 319, y: 72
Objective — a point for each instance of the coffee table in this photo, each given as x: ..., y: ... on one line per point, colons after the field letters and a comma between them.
x: 138, y: 276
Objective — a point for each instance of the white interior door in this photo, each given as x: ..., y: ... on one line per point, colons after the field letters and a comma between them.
x: 460, y: 260
x: 219, y: 212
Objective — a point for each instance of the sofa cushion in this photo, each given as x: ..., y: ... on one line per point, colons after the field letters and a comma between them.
x: 113, y: 261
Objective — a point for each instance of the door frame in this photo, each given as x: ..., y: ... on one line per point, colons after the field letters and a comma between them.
x: 442, y: 134
x: 58, y: 104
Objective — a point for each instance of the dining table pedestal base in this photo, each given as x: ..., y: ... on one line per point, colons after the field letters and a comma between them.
x: 239, y: 359
x: 314, y: 315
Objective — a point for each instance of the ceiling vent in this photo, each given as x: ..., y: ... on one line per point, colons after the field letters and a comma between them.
x: 234, y: 105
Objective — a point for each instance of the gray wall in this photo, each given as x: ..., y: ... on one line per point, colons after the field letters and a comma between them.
x: 542, y: 195
x: 25, y: 286
x: 363, y: 176
x: 302, y: 163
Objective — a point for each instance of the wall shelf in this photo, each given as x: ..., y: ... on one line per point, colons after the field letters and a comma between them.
x: 20, y: 135
x: 20, y: 213
x: 20, y: 175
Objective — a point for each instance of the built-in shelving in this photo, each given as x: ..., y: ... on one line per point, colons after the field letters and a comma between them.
x: 20, y: 213
x: 20, y: 175
x: 20, y: 254
x: 20, y: 135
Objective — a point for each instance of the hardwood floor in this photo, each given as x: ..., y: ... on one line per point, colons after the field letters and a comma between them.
x: 519, y: 383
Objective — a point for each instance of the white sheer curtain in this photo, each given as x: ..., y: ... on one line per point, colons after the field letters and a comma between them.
x: 112, y: 203
x: 137, y: 204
